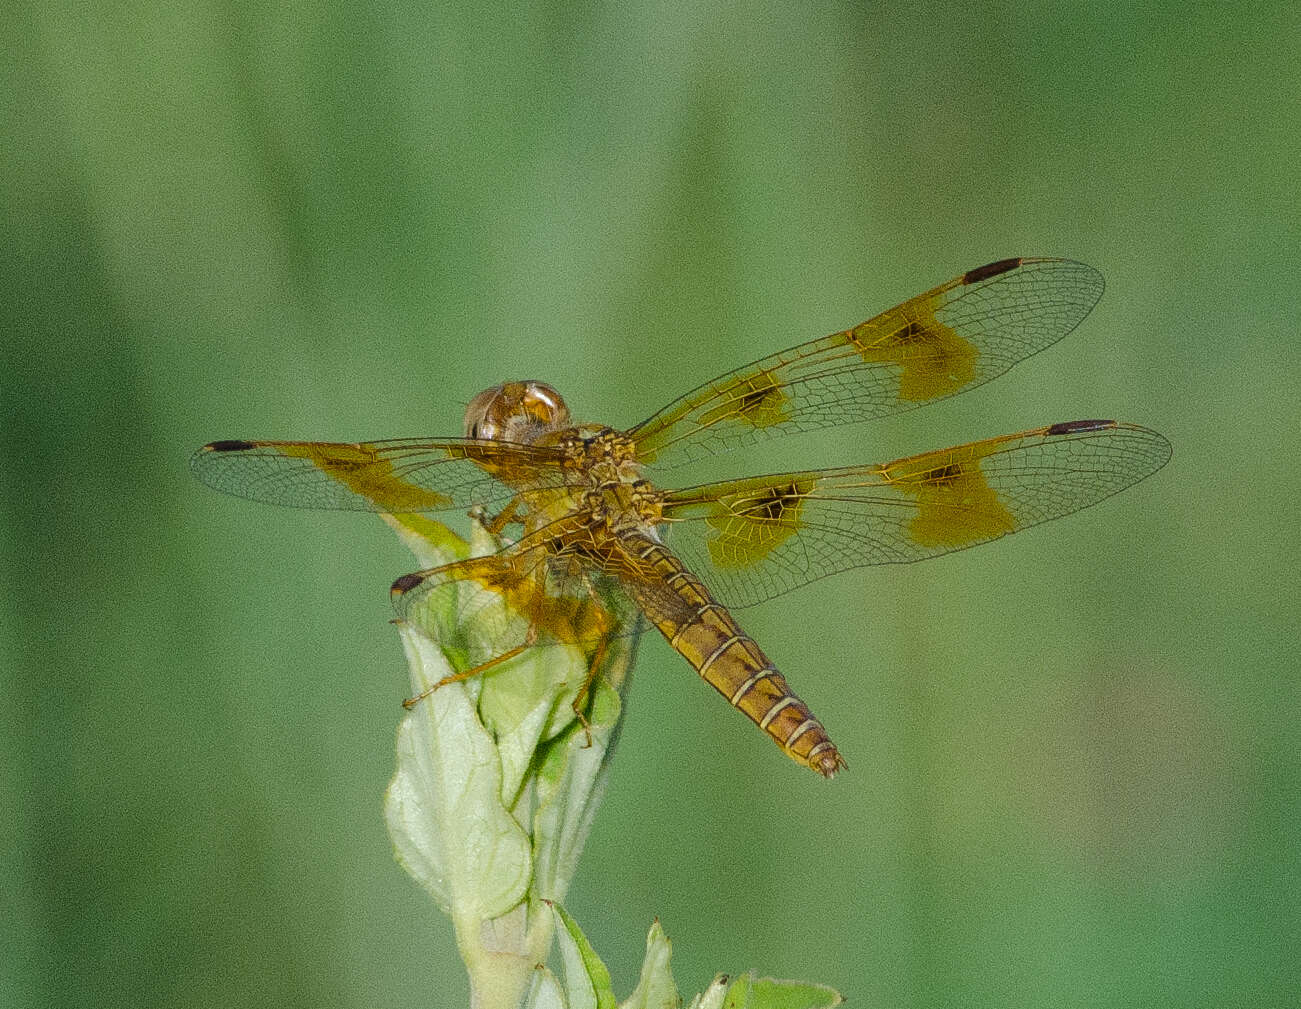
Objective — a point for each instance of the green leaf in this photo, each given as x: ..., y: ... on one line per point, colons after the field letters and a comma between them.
x: 544, y: 992
x: 443, y: 807
x: 749, y: 991
x: 519, y: 700
x: 432, y: 542
x: 655, y: 989
x: 571, y: 782
x: 712, y: 997
x: 586, y: 976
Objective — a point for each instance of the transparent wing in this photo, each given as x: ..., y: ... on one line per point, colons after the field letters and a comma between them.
x: 395, y: 476
x: 756, y: 538
x: 938, y: 344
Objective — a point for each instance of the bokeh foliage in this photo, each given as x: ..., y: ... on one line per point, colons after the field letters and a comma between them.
x: 1073, y: 754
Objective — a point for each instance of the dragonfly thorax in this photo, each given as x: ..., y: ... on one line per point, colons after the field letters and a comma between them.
x: 615, y: 495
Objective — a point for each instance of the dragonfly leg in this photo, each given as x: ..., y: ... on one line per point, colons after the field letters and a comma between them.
x: 478, y: 670
x: 496, y: 523
x: 593, y: 670
x: 585, y: 691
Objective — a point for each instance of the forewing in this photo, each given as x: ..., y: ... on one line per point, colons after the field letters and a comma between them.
x: 760, y: 537
x: 938, y: 344
x: 395, y: 476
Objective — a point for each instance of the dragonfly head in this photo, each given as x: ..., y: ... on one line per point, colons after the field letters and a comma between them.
x: 516, y: 411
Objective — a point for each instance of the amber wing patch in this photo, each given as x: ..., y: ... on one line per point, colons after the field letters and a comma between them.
x: 956, y: 506
x: 933, y: 360
x: 362, y: 470
x: 756, y: 400
x: 746, y: 528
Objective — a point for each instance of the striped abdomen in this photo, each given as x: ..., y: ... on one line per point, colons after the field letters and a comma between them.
x: 727, y: 659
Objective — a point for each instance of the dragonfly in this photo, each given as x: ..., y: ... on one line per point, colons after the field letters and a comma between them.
x: 580, y: 509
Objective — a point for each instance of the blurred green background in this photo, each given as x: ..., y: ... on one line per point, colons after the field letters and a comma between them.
x: 1074, y: 754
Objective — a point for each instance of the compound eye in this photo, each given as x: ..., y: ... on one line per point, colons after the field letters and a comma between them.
x: 515, y: 411
x: 477, y: 412
x: 544, y: 404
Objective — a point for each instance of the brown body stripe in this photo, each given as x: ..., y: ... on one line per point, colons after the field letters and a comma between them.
x: 776, y: 710
x: 744, y: 688
x: 804, y: 727
x: 700, y: 612
x: 703, y: 668
x: 707, y: 636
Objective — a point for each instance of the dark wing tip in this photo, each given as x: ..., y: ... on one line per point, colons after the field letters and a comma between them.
x: 1151, y: 447
x: 1077, y: 426
x: 227, y: 446
x: 405, y: 584
x: 991, y: 270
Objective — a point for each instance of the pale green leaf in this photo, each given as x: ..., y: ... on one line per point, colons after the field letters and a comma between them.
x: 519, y: 700
x: 655, y: 989
x: 749, y: 991
x: 571, y: 781
x: 586, y: 978
x: 432, y: 542
x: 575, y: 766
x: 443, y: 807
x: 544, y: 992
x: 712, y: 997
